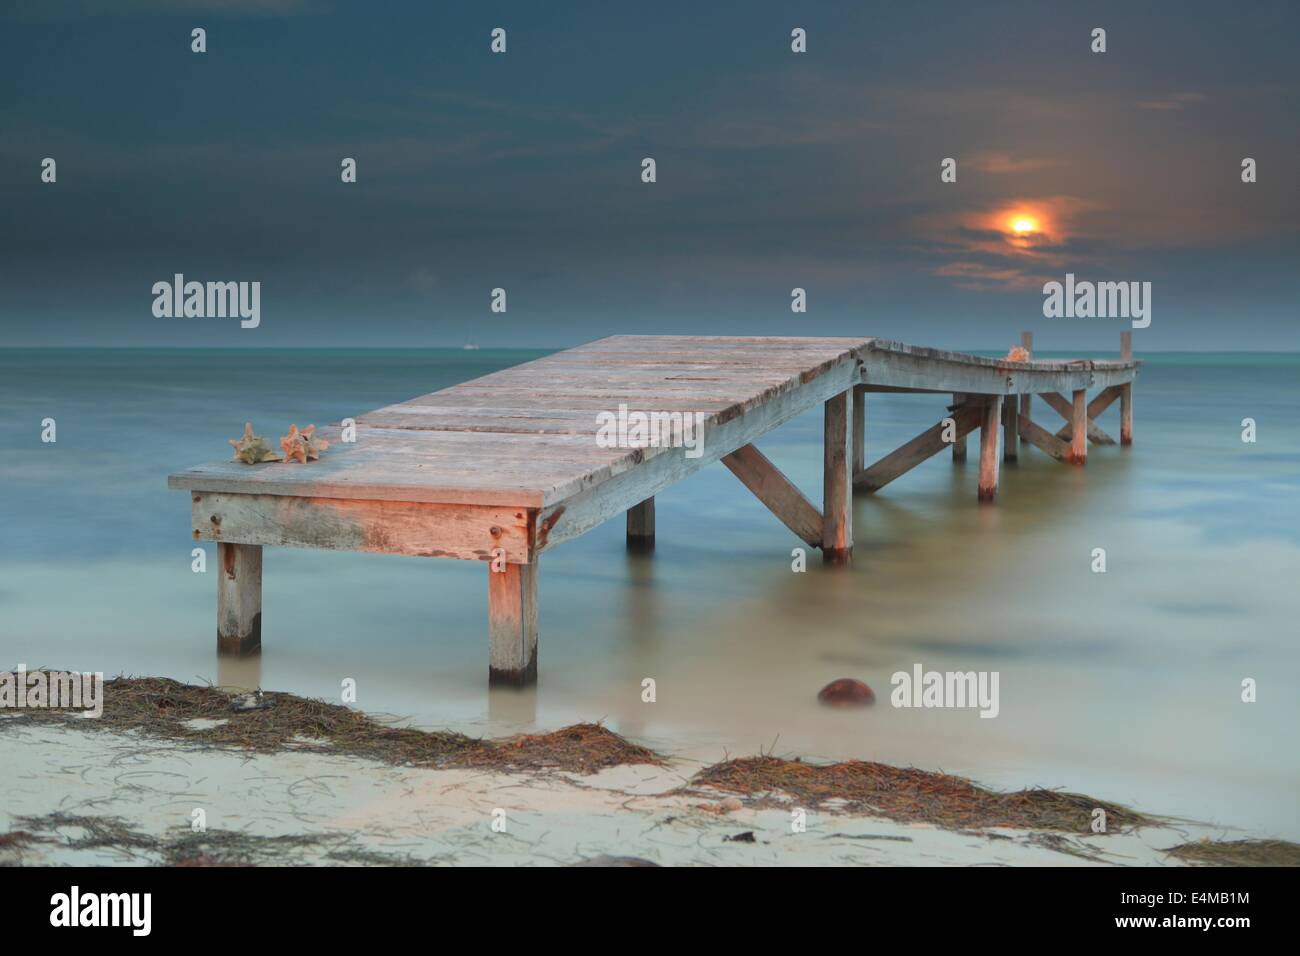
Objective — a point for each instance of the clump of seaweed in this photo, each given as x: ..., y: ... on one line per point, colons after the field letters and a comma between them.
x: 909, y: 795
x: 1238, y: 853
x: 252, y: 449
x: 302, y: 445
x: 187, y: 848
x: 581, y: 748
x: 90, y: 832
x: 13, y: 843
x: 209, y: 716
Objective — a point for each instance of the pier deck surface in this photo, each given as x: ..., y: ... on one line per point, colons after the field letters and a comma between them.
x: 503, y: 467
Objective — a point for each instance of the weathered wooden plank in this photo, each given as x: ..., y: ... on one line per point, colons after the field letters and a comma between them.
x: 467, y: 532
x: 837, y: 483
x: 512, y: 626
x: 580, y: 378
x: 395, y: 481
x: 560, y: 403
x: 930, y: 442
x: 988, y: 481
x: 239, y: 599
x: 977, y: 375
x: 900, y: 390
x: 723, y: 343
x: 963, y: 358
x: 1043, y: 440
x: 641, y: 526
x: 775, y: 490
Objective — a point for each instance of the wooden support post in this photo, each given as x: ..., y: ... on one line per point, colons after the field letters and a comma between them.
x: 239, y: 599
x: 988, y: 487
x: 1079, y: 429
x: 1027, y: 343
x: 1065, y: 408
x: 837, y: 485
x: 641, y: 527
x: 1126, y: 392
x: 959, y: 446
x: 776, y: 491
x: 512, y: 626
x: 859, y: 429
x: 1010, y: 428
x: 1126, y: 414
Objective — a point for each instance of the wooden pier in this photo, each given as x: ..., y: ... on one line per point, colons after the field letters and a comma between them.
x: 502, y: 468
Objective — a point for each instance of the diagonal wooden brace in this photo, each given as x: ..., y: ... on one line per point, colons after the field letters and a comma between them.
x: 966, y: 417
x: 1043, y: 440
x: 775, y: 490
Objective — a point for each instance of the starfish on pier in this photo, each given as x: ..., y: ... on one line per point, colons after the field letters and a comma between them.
x: 252, y: 449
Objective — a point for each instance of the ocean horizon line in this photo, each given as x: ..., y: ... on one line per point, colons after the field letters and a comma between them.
x: 544, y: 348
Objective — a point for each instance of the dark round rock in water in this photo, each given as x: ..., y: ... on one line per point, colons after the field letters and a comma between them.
x: 846, y: 692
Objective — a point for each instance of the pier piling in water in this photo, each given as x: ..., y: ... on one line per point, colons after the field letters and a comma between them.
x: 1126, y: 392
x: 239, y: 598
x: 641, y: 527
x: 992, y: 417
x: 512, y: 626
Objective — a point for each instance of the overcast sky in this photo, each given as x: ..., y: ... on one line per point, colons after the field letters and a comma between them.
x: 523, y: 170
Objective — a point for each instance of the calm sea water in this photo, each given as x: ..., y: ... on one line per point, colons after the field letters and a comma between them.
x: 1125, y: 685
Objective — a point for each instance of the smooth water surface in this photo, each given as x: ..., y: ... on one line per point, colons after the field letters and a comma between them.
x: 1125, y: 685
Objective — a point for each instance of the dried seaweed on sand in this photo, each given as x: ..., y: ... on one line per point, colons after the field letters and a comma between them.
x: 189, y: 714
x: 909, y: 795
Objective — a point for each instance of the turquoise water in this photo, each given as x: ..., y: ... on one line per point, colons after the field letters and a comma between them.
x: 1124, y: 684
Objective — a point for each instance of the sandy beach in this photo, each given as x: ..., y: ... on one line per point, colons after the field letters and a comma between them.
x: 134, y: 797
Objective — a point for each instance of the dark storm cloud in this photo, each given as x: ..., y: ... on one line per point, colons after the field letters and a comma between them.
x: 775, y: 170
